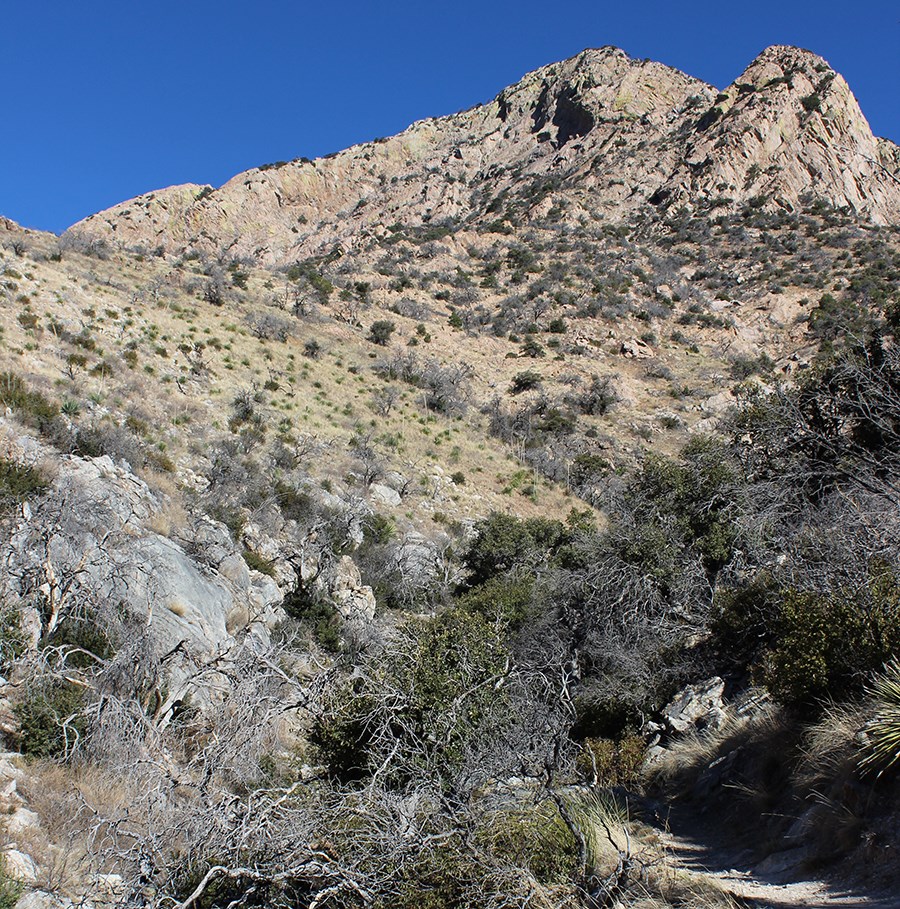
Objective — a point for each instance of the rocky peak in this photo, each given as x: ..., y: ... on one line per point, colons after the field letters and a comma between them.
x: 567, y: 100
x: 782, y: 61
x: 623, y: 136
x: 787, y: 128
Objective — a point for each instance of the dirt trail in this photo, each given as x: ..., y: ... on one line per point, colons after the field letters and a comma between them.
x: 771, y: 884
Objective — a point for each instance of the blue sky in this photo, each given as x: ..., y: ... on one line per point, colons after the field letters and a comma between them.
x: 104, y: 100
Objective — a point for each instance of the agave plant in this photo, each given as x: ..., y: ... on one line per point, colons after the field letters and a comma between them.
x: 883, y: 730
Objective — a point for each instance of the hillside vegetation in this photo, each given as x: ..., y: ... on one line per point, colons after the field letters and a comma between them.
x: 439, y: 523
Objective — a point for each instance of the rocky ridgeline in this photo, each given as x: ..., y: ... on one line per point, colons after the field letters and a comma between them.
x: 617, y: 137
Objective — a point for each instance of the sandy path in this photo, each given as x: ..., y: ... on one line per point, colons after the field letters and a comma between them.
x: 759, y: 887
x: 693, y: 843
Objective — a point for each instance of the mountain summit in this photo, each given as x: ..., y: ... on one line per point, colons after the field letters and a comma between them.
x: 618, y: 137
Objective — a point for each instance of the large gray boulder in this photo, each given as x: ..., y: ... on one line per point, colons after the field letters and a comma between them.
x: 89, y: 546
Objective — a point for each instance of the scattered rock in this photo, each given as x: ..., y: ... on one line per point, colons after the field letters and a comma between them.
x: 93, y: 527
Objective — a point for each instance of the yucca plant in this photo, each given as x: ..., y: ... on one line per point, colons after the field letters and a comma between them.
x: 883, y: 730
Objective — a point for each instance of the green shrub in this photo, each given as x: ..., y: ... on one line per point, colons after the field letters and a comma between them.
x: 525, y: 381
x: 743, y: 618
x: 825, y: 644
x: 532, y: 348
x: 833, y: 319
x: 18, y: 482
x: 381, y: 331
x: 13, y: 640
x: 588, y: 467
x: 537, y: 839
x: 436, y: 879
x: 341, y: 734
x: 506, y: 597
x: 503, y: 542
x: 28, y: 320
x: 615, y: 762
x: 51, y: 719
x: 259, y: 563
x: 811, y: 102
x: 317, y: 613
x: 30, y: 406
x: 690, y: 503
x: 10, y: 887
x: 90, y: 638
x: 377, y: 529
x: 424, y: 701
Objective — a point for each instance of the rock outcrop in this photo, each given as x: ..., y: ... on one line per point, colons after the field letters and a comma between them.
x: 90, y: 541
x: 613, y: 135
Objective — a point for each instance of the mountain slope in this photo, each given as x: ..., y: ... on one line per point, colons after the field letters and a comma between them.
x: 622, y: 136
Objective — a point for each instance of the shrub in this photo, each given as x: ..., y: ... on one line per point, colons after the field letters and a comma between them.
x: 13, y: 637
x: 437, y: 879
x: 258, y: 562
x: 18, y: 482
x: 30, y: 406
x: 525, y: 381
x: 532, y: 348
x: 381, y: 331
x: 587, y: 468
x: 10, y: 887
x: 377, y: 529
x: 28, y: 320
x: 697, y: 498
x: 507, y: 598
x: 537, y: 839
x: 269, y: 327
x: 90, y: 638
x: 811, y: 103
x: 419, y: 705
x: 613, y: 762
x: 832, y: 319
x: 825, y: 643
x: 51, y: 719
x: 503, y: 542
x: 317, y: 613
x: 595, y: 400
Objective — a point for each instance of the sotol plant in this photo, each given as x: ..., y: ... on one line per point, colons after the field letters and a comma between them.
x: 883, y: 751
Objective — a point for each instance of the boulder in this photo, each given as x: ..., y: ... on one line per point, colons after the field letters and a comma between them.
x: 385, y: 495
x: 635, y: 349
x: 354, y: 600
x: 697, y: 707
x: 20, y: 866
